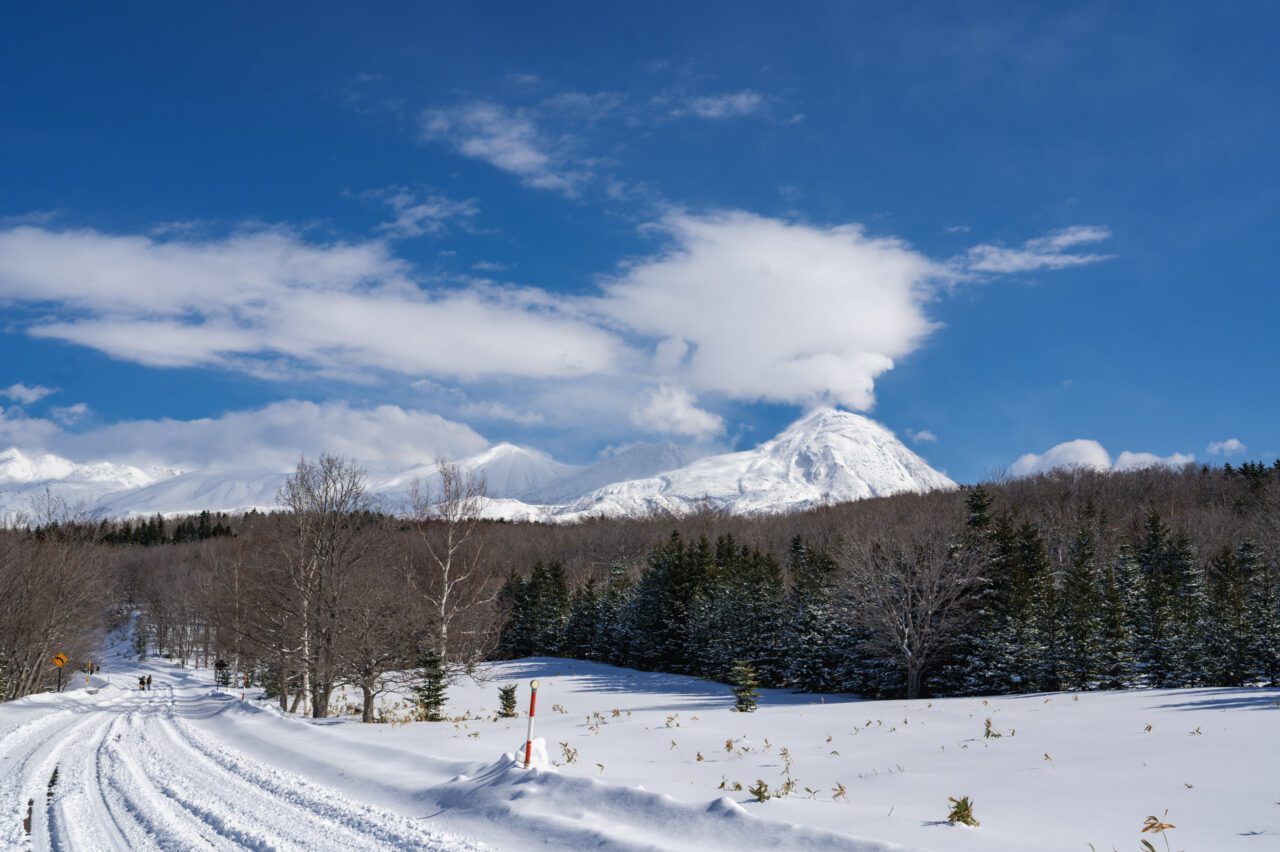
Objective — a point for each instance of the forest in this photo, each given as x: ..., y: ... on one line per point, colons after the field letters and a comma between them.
x: 1071, y: 580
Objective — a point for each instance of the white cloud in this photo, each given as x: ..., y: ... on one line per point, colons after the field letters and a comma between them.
x: 270, y: 303
x: 1089, y: 454
x: 386, y: 437
x: 1081, y: 453
x: 734, y: 306
x: 1229, y: 447
x: 1136, y: 461
x: 727, y: 105
x: 924, y: 436
x: 1053, y: 251
x: 674, y: 410
x: 494, y: 410
x: 506, y: 138
x: 27, y: 394
x: 755, y: 308
x: 418, y: 215
x: 69, y: 414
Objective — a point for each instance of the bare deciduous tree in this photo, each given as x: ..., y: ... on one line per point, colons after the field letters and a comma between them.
x: 447, y: 574
x: 329, y: 535
x: 910, y: 596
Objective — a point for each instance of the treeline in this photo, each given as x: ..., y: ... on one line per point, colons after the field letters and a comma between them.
x: 1066, y: 581
x: 155, y: 530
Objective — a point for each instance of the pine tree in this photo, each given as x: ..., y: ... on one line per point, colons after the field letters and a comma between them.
x: 610, y: 646
x: 548, y: 608
x: 507, y: 701
x: 1263, y: 607
x: 513, y: 640
x: 742, y: 678
x: 1083, y: 610
x: 820, y: 658
x: 433, y: 683
x: 582, y: 626
x: 1121, y: 597
x: 1154, y: 619
x: 988, y: 642
x: 1190, y: 614
x: 1020, y: 619
x: 1227, y: 629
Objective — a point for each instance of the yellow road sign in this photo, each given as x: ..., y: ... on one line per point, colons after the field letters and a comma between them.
x: 59, y: 660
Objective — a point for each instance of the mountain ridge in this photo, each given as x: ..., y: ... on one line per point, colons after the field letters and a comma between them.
x: 827, y: 456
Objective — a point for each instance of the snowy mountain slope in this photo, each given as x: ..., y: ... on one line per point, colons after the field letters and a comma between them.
x: 190, y: 493
x: 828, y: 456
x: 509, y: 471
x: 634, y: 462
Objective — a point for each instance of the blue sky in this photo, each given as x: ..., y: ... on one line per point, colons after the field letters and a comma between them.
x: 244, y: 233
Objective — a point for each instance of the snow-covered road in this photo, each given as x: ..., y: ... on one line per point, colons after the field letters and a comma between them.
x: 130, y: 770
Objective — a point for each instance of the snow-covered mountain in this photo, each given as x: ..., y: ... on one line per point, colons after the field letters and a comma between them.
x: 828, y: 456
x: 24, y: 479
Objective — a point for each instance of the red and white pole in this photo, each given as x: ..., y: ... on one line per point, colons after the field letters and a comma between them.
x: 528, y: 740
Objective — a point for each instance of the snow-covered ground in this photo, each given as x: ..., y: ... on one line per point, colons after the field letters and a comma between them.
x: 189, y: 766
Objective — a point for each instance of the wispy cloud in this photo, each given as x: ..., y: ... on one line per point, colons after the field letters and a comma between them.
x: 509, y: 139
x: 1052, y: 251
x: 726, y: 105
x: 26, y: 394
x: 416, y: 215
x: 271, y: 303
x: 69, y: 414
x: 495, y: 410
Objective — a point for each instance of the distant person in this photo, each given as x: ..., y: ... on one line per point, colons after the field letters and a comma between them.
x: 148, y: 683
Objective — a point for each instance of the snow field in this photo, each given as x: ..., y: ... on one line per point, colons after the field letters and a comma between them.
x: 1067, y: 769
x: 637, y: 761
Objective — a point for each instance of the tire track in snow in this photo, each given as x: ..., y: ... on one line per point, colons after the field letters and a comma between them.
x: 374, y: 827
x: 133, y: 776
x: 28, y: 755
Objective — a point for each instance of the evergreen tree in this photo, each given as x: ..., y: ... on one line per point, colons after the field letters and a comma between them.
x: 1263, y: 608
x: 1155, y: 628
x: 1121, y: 598
x: 507, y: 701
x: 738, y: 615
x: 1020, y: 622
x: 1083, y: 610
x: 581, y: 630
x: 611, y: 624
x: 432, y: 687
x: 1190, y: 615
x: 819, y: 653
x: 1228, y: 661
x: 514, y: 639
x: 742, y: 678
x: 548, y: 609
x: 987, y: 669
